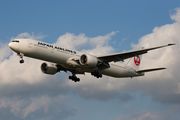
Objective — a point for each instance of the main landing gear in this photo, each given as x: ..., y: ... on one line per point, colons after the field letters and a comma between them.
x: 96, y: 74
x: 74, y: 78
x: 21, y: 56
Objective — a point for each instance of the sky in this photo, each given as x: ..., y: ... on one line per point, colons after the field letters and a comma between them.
x: 97, y: 27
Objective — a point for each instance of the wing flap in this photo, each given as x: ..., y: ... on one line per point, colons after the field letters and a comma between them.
x: 149, y: 70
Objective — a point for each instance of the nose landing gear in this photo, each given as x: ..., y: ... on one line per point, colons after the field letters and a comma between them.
x: 21, y: 56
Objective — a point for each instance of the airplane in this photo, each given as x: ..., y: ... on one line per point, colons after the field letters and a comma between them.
x: 63, y: 59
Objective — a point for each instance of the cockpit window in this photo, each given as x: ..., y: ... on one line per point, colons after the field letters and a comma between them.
x: 15, y: 41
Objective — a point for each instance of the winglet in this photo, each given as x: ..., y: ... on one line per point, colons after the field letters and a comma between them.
x: 171, y: 44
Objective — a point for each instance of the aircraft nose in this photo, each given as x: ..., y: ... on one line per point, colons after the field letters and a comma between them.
x: 10, y: 45
x: 14, y: 46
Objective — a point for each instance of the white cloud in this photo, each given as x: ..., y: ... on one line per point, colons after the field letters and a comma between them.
x: 162, y: 85
x: 27, y: 35
x: 107, y: 87
x: 97, y: 45
x: 69, y: 40
x: 26, y: 108
x: 27, y: 79
x: 172, y: 114
x: 43, y: 103
x: 176, y: 16
x: 4, y: 51
x: 100, y: 44
x: 12, y: 72
x: 19, y: 81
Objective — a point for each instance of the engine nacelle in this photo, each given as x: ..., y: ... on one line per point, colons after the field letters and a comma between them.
x: 49, y: 68
x: 88, y: 60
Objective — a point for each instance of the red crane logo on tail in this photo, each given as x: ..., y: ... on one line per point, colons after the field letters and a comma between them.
x: 137, y: 60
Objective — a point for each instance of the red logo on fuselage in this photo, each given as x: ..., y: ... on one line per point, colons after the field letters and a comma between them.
x: 137, y: 60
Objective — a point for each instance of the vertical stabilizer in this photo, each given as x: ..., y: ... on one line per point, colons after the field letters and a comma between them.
x: 135, y: 61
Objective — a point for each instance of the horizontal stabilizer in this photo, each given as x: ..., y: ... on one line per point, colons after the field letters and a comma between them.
x: 149, y: 70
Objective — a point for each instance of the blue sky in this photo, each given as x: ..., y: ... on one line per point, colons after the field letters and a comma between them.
x: 92, y: 18
x: 102, y: 27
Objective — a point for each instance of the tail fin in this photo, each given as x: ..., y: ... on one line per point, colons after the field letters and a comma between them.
x: 135, y: 61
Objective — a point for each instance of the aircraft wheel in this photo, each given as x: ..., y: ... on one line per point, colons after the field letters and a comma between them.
x: 21, y: 61
x: 78, y: 79
x: 74, y: 78
x: 70, y: 77
x: 100, y: 75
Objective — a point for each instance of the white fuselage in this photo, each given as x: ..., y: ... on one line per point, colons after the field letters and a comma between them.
x: 63, y: 57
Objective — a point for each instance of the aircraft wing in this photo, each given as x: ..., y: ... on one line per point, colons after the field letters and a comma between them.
x: 125, y: 55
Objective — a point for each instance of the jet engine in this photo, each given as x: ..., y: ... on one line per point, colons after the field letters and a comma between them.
x: 88, y: 60
x: 49, y: 68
